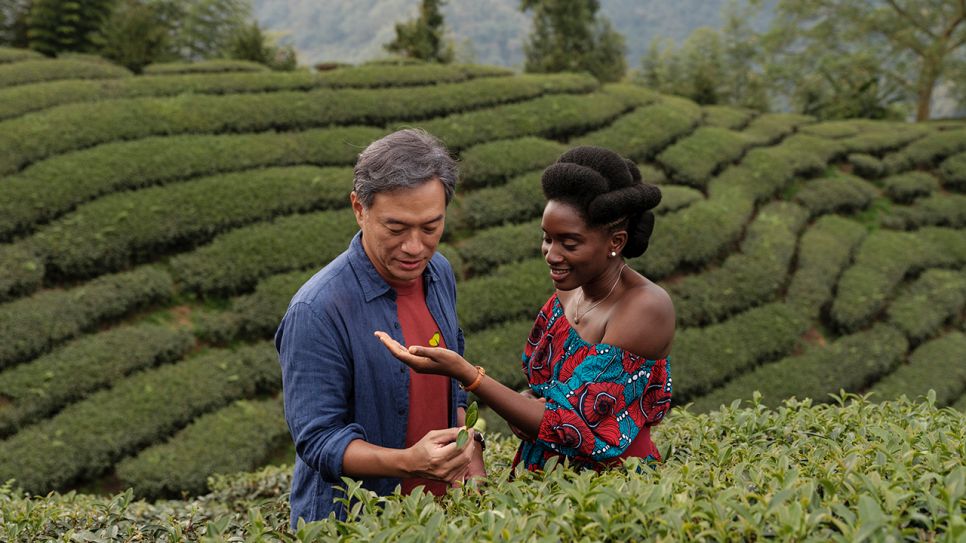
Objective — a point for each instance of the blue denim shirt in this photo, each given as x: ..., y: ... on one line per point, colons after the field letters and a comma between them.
x: 340, y: 383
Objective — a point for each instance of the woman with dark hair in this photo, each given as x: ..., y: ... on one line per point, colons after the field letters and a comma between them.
x: 597, y: 357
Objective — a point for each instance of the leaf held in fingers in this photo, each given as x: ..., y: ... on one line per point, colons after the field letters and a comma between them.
x: 462, y: 438
x: 472, y: 413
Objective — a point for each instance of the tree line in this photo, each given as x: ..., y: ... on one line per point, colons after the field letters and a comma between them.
x: 135, y: 33
x: 828, y: 58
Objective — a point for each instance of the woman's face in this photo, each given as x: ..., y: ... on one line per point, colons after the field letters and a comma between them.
x: 575, y: 252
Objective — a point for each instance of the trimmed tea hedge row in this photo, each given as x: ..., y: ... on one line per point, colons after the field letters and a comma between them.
x: 235, y: 261
x: 953, y: 171
x: 39, y: 135
x: 838, y: 129
x: 851, y: 363
x: 21, y: 270
x: 32, y: 326
x: 694, y: 158
x: 694, y: 235
x: 37, y: 389
x: 866, y: 166
x: 11, y: 54
x: 512, y: 291
x: 933, y: 210
x: 883, y: 259
x: 704, y: 358
x: 641, y: 134
x: 519, y: 200
x: 840, y: 194
x: 499, y: 349
x: 928, y: 151
x: 676, y: 197
x: 255, y: 315
x: 204, y: 66
x: 734, y: 118
x: 33, y: 71
x: 235, y: 438
x: 936, y: 365
x: 47, y: 189
x: 552, y: 116
x: 501, y: 245
x: 745, y: 279
x: 887, y: 471
x: 880, y: 138
x: 825, y: 250
x: 120, y: 229
x: 15, y: 101
x: 495, y: 162
x: 88, y: 437
x: 928, y: 302
x: 769, y: 128
x: 906, y: 187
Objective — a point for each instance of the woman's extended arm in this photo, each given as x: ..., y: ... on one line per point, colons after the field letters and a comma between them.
x: 521, y: 411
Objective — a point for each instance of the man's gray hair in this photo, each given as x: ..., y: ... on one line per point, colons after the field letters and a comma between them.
x: 406, y: 158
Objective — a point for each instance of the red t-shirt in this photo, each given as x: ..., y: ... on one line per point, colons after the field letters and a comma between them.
x: 428, y: 394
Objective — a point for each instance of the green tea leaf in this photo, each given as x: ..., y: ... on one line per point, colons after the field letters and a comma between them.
x: 462, y: 438
x: 472, y: 413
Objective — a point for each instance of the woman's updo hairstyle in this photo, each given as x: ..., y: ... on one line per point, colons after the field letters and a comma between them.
x: 607, y: 191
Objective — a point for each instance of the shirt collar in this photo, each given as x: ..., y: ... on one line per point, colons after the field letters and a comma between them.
x: 373, y: 285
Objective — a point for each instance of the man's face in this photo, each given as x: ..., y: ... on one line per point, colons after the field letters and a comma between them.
x: 401, y: 229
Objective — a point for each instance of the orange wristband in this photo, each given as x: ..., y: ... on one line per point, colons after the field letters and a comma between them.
x: 479, y: 379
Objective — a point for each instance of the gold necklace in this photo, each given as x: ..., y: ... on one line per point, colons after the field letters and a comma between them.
x: 591, y: 308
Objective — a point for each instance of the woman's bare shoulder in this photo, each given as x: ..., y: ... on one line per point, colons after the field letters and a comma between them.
x: 644, y: 321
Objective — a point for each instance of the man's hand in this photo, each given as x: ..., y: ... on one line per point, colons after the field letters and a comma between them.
x: 433, y: 360
x: 436, y: 456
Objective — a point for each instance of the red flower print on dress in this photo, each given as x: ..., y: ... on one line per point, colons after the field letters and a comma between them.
x: 599, y: 404
x: 539, y: 327
x: 539, y: 369
x: 566, y: 428
x: 572, y: 362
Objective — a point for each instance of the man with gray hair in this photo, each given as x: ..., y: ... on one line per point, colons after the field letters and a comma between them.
x: 352, y: 408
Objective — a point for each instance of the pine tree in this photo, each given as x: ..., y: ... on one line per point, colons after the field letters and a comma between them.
x: 67, y: 25
x: 422, y: 37
x: 568, y: 35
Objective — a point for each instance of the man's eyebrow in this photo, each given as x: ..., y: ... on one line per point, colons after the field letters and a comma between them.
x: 393, y: 221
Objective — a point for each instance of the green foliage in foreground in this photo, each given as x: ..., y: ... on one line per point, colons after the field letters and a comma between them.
x: 842, y: 472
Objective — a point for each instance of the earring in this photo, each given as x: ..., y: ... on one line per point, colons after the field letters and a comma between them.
x: 613, y: 253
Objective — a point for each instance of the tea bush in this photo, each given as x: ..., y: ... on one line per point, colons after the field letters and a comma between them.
x: 642, y: 133
x: 769, y: 128
x: 934, y: 298
x: 519, y: 200
x: 866, y: 166
x: 88, y: 437
x: 704, y: 358
x: 32, y: 326
x: 824, y: 251
x: 927, y: 151
x: 125, y: 228
x: 50, y: 188
x: 953, y: 171
x: 499, y: 245
x: 38, y: 135
x: 494, y: 163
x: 235, y: 261
x: 204, y: 66
x: 33, y: 71
x: 837, y: 129
x: 232, y: 439
x: 850, y: 363
x: 841, y: 194
x: 880, y: 138
x: 694, y: 158
x: 733, y: 118
x: 10, y: 54
x: 745, y: 279
x: 499, y: 349
x: 510, y: 292
x: 22, y: 271
x: 933, y: 210
x: 906, y: 187
x: 936, y: 365
x: 35, y: 390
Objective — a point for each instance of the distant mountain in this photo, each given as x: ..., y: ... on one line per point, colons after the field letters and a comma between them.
x: 488, y: 31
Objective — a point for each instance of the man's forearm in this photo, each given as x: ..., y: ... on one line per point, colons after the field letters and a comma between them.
x: 363, y: 459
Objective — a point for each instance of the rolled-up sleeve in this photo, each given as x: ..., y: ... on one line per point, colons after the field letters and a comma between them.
x: 317, y: 385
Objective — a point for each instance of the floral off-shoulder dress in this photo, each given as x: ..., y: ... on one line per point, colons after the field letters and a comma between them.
x: 601, y: 400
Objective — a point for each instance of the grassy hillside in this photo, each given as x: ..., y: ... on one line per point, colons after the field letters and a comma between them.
x: 153, y: 229
x: 851, y: 472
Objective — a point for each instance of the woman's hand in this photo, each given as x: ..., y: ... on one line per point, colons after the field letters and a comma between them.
x: 430, y: 359
x: 526, y: 393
